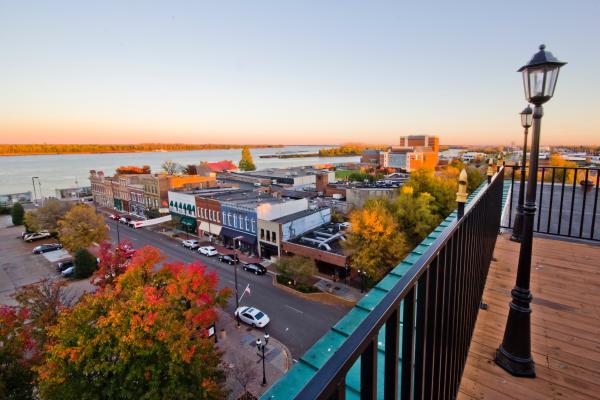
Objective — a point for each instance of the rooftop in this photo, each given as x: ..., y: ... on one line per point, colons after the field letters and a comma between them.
x: 299, y: 214
x: 565, y: 324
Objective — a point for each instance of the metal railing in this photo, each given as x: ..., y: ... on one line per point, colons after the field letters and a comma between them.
x: 567, y: 201
x: 428, y: 316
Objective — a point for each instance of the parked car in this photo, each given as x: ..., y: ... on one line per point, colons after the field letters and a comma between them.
x: 208, y: 251
x: 252, y: 316
x: 61, y: 266
x: 115, y: 217
x: 128, y: 251
x: 124, y: 220
x: 344, y: 225
x: 25, y: 233
x: 255, y: 268
x: 190, y: 244
x: 68, y: 272
x: 45, y: 248
x: 229, y: 259
x: 36, y: 236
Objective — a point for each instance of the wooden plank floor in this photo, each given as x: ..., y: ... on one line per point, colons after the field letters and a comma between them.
x: 565, y: 324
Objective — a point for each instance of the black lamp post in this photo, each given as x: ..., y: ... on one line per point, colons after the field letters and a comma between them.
x: 33, y: 178
x: 261, y: 354
x: 237, y: 297
x: 526, y: 120
x: 363, y: 280
x: 514, y: 355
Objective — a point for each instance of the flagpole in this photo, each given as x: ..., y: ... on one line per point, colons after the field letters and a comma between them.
x: 245, y: 290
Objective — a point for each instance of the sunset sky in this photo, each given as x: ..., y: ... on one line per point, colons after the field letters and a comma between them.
x: 291, y: 72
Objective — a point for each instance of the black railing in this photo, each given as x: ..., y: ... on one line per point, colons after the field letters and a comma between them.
x: 567, y: 201
x: 428, y: 317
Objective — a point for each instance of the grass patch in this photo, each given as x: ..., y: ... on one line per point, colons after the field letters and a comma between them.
x: 283, y: 280
x: 343, y: 173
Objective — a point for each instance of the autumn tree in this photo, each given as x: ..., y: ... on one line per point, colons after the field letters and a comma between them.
x: 48, y: 215
x: 31, y: 221
x: 143, y: 338
x: 300, y: 269
x: 18, y: 354
x: 131, y: 169
x: 113, y: 263
x: 16, y: 213
x: 246, y: 163
x: 374, y: 242
x: 81, y: 227
x: 565, y: 172
x: 44, y: 302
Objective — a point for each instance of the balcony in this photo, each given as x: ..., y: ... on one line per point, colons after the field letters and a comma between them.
x: 422, y: 332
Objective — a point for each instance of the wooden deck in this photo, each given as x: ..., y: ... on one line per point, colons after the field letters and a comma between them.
x: 565, y: 325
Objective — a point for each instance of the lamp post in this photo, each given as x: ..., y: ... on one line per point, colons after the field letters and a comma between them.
x: 237, y: 297
x: 363, y: 279
x: 33, y: 178
x: 261, y: 354
x: 514, y: 354
x: 526, y: 120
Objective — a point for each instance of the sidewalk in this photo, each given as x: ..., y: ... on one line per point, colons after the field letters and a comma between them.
x: 338, y: 289
x: 240, y: 356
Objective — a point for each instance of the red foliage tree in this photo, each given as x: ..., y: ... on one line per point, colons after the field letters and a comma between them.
x: 113, y: 262
x: 132, y: 169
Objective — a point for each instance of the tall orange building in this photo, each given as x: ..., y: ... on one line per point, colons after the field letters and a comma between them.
x: 414, y: 151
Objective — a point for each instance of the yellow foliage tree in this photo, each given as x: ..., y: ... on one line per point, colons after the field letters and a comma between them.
x: 374, y: 241
x: 80, y: 227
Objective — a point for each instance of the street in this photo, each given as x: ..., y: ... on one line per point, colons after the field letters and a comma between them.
x: 296, y: 322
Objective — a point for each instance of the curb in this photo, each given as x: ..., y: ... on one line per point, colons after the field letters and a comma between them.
x: 322, y: 297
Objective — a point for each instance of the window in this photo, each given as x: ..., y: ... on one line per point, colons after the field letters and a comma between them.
x: 262, y: 233
x: 274, y: 236
x: 268, y: 236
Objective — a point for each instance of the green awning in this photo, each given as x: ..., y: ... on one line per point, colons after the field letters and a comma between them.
x: 188, y: 221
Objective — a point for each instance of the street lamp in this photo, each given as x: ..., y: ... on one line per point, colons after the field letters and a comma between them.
x: 33, y: 178
x: 261, y: 354
x: 237, y: 305
x: 514, y: 354
x: 526, y: 121
x: 363, y: 279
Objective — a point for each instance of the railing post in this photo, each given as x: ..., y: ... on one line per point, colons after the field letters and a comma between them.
x: 490, y: 171
x: 518, y: 225
x: 461, y: 195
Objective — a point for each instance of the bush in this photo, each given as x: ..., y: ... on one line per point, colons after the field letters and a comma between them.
x: 85, y: 264
x: 17, y: 214
x: 289, y: 282
x: 4, y: 210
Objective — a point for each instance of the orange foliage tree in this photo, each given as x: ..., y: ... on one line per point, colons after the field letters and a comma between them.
x: 143, y: 337
x: 131, y: 169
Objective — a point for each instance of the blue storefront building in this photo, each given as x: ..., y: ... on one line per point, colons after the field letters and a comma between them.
x: 239, y: 222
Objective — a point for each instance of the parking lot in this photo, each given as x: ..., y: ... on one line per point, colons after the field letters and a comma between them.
x: 19, y: 267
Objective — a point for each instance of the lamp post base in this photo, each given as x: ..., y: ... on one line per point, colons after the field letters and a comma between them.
x: 521, y: 367
x: 517, y: 232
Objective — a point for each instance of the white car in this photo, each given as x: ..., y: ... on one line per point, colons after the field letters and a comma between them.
x: 68, y: 272
x: 252, y: 316
x: 190, y: 244
x: 208, y: 251
x: 36, y: 236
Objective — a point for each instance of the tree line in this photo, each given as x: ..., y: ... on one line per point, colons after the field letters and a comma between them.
x: 33, y: 149
x: 349, y: 149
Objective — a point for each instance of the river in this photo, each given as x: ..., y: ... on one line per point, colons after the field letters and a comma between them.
x: 59, y: 171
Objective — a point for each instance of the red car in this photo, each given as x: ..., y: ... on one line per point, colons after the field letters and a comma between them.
x: 115, y: 217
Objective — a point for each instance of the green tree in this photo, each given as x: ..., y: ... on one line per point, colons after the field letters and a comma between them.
x: 81, y: 227
x: 16, y: 213
x: 143, y: 338
x: 414, y: 214
x: 374, y: 241
x: 300, y: 269
x: 441, y: 187
x: 246, y: 163
x: 85, y: 264
x: 474, y: 178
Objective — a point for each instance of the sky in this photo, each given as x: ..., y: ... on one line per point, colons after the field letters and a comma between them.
x: 292, y: 72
